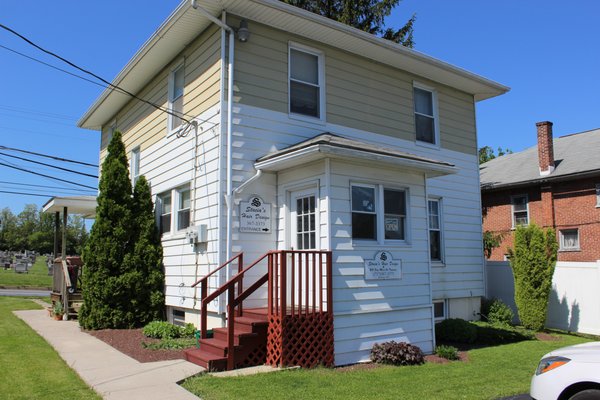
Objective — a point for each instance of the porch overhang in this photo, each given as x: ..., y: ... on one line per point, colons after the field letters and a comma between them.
x: 82, y: 205
x: 332, y: 146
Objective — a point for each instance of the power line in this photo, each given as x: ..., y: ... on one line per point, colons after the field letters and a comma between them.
x: 92, y: 74
x: 50, y: 165
x: 40, y: 113
x: 26, y: 194
x: 42, y: 186
x: 46, y: 176
x: 48, y: 156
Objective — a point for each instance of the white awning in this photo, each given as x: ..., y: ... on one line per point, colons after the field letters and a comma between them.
x: 82, y: 205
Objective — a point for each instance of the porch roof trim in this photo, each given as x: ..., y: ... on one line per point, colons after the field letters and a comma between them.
x: 83, y: 205
x: 330, y: 145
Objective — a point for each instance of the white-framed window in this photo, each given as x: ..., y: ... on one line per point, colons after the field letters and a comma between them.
x: 306, y: 82
x: 520, y: 210
x: 175, y: 105
x: 135, y: 165
x: 597, y: 194
x: 174, y: 209
x: 439, y: 310
x: 378, y: 212
x: 436, y: 252
x: 425, y: 109
x: 569, y: 239
x: 183, y: 209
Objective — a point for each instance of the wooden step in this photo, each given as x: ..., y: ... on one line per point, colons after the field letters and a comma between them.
x: 211, y: 362
x: 239, y: 336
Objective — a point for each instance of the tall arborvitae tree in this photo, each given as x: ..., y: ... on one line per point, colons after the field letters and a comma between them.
x: 147, y: 283
x: 532, y: 260
x: 366, y: 15
x: 105, y: 294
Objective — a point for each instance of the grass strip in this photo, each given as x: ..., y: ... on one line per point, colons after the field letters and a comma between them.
x: 491, y: 372
x: 31, y: 368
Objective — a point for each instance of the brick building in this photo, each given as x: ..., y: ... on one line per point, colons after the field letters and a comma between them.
x: 554, y: 184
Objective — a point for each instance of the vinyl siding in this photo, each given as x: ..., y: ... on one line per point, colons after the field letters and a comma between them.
x: 143, y: 125
x: 360, y: 93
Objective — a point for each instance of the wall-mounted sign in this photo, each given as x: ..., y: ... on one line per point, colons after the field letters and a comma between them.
x: 255, y: 216
x: 383, y: 266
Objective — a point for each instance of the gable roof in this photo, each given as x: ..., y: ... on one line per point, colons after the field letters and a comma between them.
x: 334, y: 146
x: 575, y: 155
x: 186, y: 23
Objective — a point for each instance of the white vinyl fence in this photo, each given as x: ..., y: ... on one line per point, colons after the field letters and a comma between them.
x: 574, y: 301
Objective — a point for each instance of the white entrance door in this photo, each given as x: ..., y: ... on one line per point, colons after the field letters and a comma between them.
x: 304, y: 220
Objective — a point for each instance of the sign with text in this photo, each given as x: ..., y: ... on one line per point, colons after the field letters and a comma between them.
x: 255, y: 216
x: 383, y: 266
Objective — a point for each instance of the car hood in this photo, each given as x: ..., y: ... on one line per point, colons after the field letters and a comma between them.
x: 585, y: 352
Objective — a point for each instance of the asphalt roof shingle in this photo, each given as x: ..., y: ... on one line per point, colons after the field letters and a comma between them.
x: 573, y: 154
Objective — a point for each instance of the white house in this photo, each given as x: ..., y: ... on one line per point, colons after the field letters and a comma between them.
x: 290, y: 131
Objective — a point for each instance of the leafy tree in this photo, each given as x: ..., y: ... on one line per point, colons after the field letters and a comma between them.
x: 8, y: 229
x: 486, y: 153
x: 491, y: 241
x: 533, y: 260
x: 366, y: 15
x: 105, y: 295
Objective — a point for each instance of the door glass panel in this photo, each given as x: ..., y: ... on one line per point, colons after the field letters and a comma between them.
x: 305, y: 223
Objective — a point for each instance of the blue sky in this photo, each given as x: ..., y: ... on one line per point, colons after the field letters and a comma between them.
x: 544, y: 50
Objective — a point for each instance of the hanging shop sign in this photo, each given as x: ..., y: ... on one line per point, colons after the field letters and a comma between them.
x: 383, y: 266
x: 255, y: 216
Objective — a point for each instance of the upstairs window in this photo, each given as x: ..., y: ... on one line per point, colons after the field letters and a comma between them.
x: 378, y: 212
x: 135, y: 165
x: 305, y: 82
x: 176, y: 83
x: 520, y: 210
x: 569, y: 239
x: 165, y: 213
x: 425, y: 115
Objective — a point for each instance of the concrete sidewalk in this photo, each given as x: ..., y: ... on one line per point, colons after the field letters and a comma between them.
x: 109, y: 372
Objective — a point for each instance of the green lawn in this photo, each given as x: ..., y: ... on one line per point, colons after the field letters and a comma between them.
x: 31, y: 369
x: 37, y: 277
x: 490, y: 373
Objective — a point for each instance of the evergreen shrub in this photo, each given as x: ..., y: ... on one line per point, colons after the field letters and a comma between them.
x: 455, y: 330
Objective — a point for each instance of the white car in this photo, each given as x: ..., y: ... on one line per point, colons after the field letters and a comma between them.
x: 569, y: 373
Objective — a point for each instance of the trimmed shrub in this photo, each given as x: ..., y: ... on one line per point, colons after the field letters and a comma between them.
x: 162, y: 330
x: 395, y: 353
x: 533, y: 259
x: 496, y: 312
x: 447, y: 352
x: 455, y: 330
x: 188, y: 331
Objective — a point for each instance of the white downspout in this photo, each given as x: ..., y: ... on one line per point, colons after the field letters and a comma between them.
x: 229, y: 118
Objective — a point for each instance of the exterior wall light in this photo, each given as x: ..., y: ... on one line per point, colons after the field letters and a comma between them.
x: 243, y: 32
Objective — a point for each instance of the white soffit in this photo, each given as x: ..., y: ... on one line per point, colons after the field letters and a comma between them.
x: 186, y: 23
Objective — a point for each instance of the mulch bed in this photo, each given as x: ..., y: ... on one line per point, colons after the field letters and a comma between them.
x: 546, y: 337
x: 129, y: 342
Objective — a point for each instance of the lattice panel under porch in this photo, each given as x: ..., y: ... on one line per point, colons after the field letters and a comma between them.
x: 300, y: 340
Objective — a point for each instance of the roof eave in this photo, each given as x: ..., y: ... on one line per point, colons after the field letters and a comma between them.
x: 541, y: 180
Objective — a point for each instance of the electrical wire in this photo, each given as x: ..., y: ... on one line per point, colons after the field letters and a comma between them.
x: 48, y: 156
x: 37, y: 112
x: 106, y: 84
x: 50, y: 165
x: 27, y: 194
x: 44, y: 186
x: 46, y: 176
x: 112, y: 86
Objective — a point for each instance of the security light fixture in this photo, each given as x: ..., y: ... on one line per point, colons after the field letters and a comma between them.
x: 243, y: 32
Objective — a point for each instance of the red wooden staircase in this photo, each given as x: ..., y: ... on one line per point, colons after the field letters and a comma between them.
x: 249, y: 344
x: 296, y: 326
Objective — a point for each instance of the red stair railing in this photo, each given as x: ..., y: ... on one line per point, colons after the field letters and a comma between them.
x: 303, y: 298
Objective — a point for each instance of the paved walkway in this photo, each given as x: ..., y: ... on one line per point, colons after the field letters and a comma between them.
x: 109, y: 372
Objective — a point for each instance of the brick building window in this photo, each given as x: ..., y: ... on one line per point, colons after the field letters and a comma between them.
x: 520, y: 210
x: 597, y: 194
x: 569, y: 239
